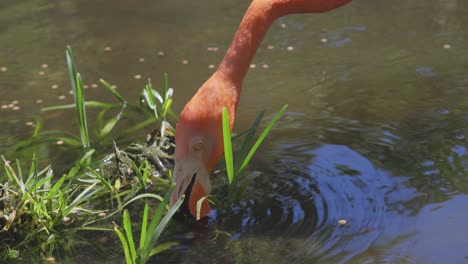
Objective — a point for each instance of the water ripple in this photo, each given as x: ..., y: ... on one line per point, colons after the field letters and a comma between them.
x: 297, y: 205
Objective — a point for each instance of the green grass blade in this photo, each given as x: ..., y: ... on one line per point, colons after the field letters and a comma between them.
x: 86, y: 158
x: 166, y: 219
x: 261, y: 138
x: 103, y: 132
x: 91, y: 172
x: 166, y: 106
x: 12, y: 175
x: 77, y: 200
x: 162, y: 247
x: 81, y: 111
x: 151, y: 239
x: 58, y: 184
x: 113, y: 91
x: 38, y: 127
x: 92, y: 104
x: 32, y: 172
x: 144, y: 224
x: 71, y: 67
x: 248, y: 139
x: 149, y: 96
x: 77, y: 88
x: 228, y: 146
x: 127, y: 224
x: 124, y: 243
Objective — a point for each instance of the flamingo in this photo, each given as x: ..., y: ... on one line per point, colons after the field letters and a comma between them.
x: 199, y: 139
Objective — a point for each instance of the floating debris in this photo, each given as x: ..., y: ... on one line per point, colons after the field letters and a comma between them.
x: 211, y: 66
x: 15, y: 102
x: 60, y: 142
x: 160, y: 53
x: 61, y: 97
x: 3, y: 69
x: 184, y: 61
x: 15, y: 108
x: 70, y: 92
x: 39, y: 101
x: 85, y: 86
x: 29, y: 123
x: 141, y: 59
x: 138, y: 76
x: 324, y: 40
x: 265, y: 66
x: 41, y: 73
x: 342, y: 222
x: 102, y: 214
x: 44, y: 66
x: 253, y: 66
x: 4, y: 106
x: 212, y: 48
x: 66, y: 219
x: 114, y: 86
x: 94, y: 85
x: 444, y: 111
x: 283, y: 25
x: 270, y: 47
x: 108, y: 48
x: 55, y: 86
x: 290, y: 48
x: 446, y: 46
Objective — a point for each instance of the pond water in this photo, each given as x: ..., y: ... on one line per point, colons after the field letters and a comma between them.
x: 375, y: 133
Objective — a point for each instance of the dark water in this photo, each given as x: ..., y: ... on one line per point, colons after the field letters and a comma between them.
x: 375, y: 133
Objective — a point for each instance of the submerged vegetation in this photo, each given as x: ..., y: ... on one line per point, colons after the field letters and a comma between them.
x: 42, y: 213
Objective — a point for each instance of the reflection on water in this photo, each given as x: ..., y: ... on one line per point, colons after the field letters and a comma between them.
x: 376, y: 134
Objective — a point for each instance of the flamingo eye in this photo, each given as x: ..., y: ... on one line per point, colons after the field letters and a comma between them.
x: 197, y: 146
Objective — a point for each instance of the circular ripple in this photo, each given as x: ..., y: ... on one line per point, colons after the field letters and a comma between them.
x: 294, y: 208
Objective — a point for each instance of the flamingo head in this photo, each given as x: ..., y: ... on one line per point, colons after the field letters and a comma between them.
x: 199, y: 143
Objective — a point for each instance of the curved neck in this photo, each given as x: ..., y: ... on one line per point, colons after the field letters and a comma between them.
x: 253, y: 27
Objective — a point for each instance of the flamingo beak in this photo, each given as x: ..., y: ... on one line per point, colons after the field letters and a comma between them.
x: 192, y: 178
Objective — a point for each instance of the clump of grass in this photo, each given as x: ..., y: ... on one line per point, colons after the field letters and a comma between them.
x: 38, y: 207
x: 39, y: 210
x: 237, y: 162
x: 149, y: 235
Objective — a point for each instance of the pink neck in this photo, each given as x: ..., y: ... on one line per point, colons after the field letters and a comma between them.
x: 253, y: 27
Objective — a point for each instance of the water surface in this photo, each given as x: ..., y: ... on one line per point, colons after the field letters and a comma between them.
x: 375, y: 132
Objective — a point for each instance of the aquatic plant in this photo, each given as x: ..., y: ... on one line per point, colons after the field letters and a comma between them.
x: 237, y: 162
x: 38, y: 210
x: 37, y: 207
x: 78, y: 97
x: 149, y: 235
